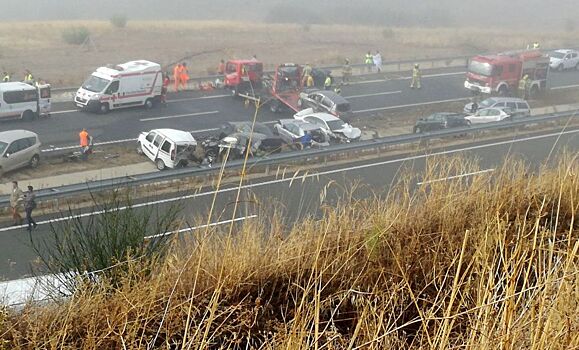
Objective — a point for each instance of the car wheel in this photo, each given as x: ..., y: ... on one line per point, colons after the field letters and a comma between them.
x: 234, y: 92
x: 160, y: 164
x: 104, y: 108
x: 34, y: 161
x: 28, y: 116
x: 503, y: 91
x: 149, y: 103
x: 140, y: 149
x: 274, y: 106
x: 417, y: 130
x: 561, y: 68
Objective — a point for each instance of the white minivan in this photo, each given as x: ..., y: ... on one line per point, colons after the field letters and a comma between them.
x: 135, y: 83
x: 18, y: 149
x: 167, y: 148
x: 24, y: 101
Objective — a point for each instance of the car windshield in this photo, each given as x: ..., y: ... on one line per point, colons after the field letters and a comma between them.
x: 559, y: 55
x: 343, y: 107
x: 3, y: 146
x: 95, y: 84
x: 486, y: 103
x: 335, y: 124
x: 480, y: 68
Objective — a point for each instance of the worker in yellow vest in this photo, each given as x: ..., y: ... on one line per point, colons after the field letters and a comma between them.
x: 5, y: 77
x: 28, y: 77
x: 369, y: 61
x: 416, y: 77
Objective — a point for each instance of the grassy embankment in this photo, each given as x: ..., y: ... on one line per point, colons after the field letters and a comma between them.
x: 39, y: 46
x: 483, y: 264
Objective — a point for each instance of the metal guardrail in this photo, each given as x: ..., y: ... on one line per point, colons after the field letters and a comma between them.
x: 155, y: 177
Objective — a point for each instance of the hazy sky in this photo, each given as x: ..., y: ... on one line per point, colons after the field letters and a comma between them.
x: 521, y: 13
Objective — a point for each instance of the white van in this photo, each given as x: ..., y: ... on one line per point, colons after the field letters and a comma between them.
x: 24, y: 101
x: 135, y: 83
x: 168, y: 148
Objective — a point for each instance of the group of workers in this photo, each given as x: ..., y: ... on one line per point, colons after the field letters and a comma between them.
x: 180, y: 76
x: 373, y: 61
x: 28, y: 77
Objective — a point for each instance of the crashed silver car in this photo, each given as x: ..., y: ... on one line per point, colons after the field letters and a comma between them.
x: 301, y: 134
x: 335, y: 127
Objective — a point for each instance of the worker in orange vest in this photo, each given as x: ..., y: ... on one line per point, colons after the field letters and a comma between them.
x: 184, y: 76
x: 85, y: 143
x: 177, y: 75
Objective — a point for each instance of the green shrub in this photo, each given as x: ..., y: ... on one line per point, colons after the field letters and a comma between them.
x: 75, y: 35
x: 119, y: 21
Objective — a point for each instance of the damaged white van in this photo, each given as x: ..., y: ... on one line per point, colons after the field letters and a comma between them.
x: 167, y: 148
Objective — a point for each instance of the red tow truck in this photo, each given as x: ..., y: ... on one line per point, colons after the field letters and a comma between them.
x: 245, y: 79
x: 500, y: 74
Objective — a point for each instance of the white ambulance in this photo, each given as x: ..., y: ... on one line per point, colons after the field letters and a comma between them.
x: 135, y: 83
x: 24, y: 101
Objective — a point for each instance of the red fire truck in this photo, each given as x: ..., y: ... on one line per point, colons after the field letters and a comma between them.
x: 500, y: 73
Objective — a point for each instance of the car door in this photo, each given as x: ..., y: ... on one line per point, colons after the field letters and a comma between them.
x: 326, y: 105
x: 284, y: 133
x: 148, y: 147
x: 523, y: 108
x: 480, y: 117
x: 12, y: 156
x: 574, y: 59
x: 494, y: 115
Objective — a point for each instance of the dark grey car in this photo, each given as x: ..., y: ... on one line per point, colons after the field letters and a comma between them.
x: 439, y: 121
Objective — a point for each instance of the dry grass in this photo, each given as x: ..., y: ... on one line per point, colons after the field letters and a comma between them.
x: 39, y: 45
x: 481, y: 264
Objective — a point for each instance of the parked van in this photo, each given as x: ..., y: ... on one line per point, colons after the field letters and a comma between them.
x: 24, y: 101
x: 167, y: 148
x: 135, y: 83
x: 18, y: 149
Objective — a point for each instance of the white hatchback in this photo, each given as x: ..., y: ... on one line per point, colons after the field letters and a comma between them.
x: 167, y: 148
x: 334, y: 126
x: 564, y: 59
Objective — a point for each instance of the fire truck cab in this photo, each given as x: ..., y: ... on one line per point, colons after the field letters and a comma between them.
x: 502, y: 72
x: 243, y: 76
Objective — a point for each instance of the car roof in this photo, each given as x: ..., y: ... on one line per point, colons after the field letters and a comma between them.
x: 323, y: 116
x: 564, y: 50
x: 16, y: 86
x: 12, y: 135
x: 506, y: 99
x: 175, y: 135
x: 338, y: 99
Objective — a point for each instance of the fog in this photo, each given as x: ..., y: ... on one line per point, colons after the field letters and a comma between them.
x: 505, y: 13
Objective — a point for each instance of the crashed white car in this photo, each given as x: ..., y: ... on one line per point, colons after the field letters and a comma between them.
x: 167, y: 148
x: 335, y: 127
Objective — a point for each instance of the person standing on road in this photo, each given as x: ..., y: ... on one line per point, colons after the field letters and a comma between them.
x: 221, y: 67
x: 29, y: 206
x: 165, y: 88
x: 377, y: 59
x: 28, y: 77
x: 309, y: 81
x: 328, y: 82
x: 416, y: 77
x: 6, y: 77
x: 85, y: 143
x: 346, y: 72
x: 523, y: 86
x: 16, y: 198
x: 369, y: 61
x: 184, y: 76
x: 176, y: 76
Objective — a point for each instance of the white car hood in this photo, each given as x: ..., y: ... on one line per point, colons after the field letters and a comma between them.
x: 87, y: 95
x: 349, y: 132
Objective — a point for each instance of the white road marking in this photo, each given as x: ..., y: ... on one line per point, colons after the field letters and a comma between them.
x: 64, y: 112
x: 179, y: 116
x: 411, y: 105
x: 313, y: 175
x: 456, y: 177
x: 197, y: 98
x: 243, y: 218
x: 565, y: 87
x: 376, y: 94
x: 404, y: 78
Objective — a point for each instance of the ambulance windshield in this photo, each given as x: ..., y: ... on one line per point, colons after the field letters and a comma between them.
x: 95, y: 84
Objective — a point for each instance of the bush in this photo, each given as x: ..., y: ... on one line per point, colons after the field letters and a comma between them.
x: 119, y: 21
x: 75, y: 35
x: 110, y: 242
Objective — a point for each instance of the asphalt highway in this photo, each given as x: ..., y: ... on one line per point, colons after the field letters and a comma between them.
x: 204, y: 112
x: 305, y: 194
